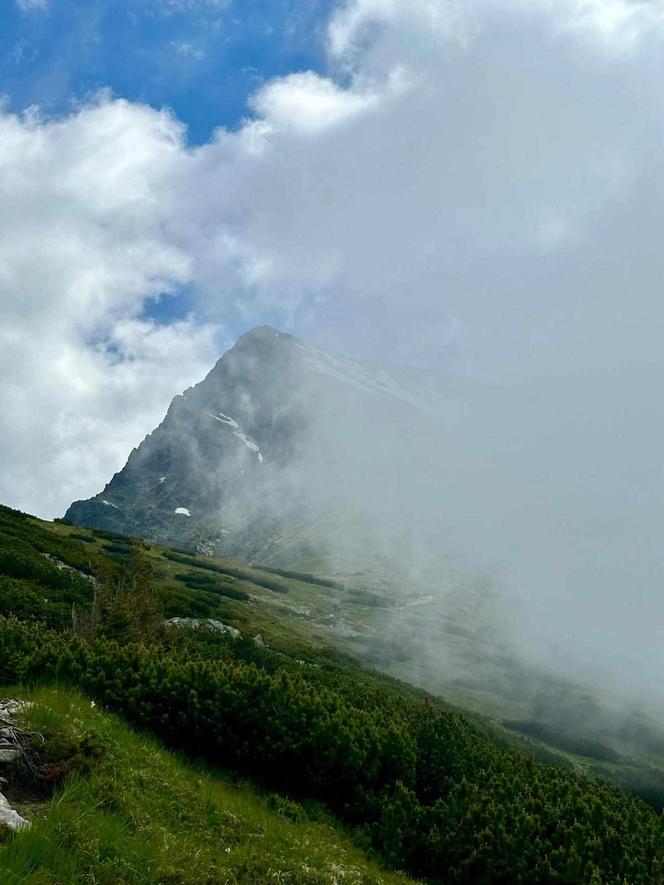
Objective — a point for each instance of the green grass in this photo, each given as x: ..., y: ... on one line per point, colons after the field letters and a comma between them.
x: 143, y: 815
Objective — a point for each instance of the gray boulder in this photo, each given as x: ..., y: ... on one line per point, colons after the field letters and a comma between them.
x: 210, y: 623
x: 10, y: 818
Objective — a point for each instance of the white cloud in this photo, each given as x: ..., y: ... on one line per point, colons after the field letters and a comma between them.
x: 308, y: 103
x: 615, y: 24
x: 179, y: 7
x: 32, y: 5
x: 512, y: 187
x: 460, y: 141
x: 354, y: 23
x: 464, y: 134
x: 188, y: 50
x: 84, y: 242
x: 22, y: 52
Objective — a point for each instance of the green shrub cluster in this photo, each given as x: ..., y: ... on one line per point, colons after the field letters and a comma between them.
x: 23, y: 535
x: 303, y: 576
x: 121, y: 549
x: 26, y: 600
x: 212, y: 585
x: 33, y: 587
x: 231, y: 571
x: 429, y: 790
x: 108, y: 535
x: 579, y: 745
x: 23, y: 562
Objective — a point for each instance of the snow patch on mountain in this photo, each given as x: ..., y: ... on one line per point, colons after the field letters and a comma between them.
x: 238, y: 432
x: 245, y: 439
x: 224, y: 419
x: 182, y: 511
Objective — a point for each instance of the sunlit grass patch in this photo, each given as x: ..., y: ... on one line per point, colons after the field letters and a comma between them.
x: 140, y: 814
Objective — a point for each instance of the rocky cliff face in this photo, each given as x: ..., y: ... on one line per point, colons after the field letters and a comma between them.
x: 262, y: 460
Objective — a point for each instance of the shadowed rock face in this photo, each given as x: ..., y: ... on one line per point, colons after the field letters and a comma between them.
x: 196, y: 478
x: 257, y: 460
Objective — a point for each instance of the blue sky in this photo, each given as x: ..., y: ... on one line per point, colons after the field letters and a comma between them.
x: 202, y: 58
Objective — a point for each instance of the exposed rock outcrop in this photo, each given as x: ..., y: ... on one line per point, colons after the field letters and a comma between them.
x: 10, y: 818
x: 211, y: 623
x: 12, y: 739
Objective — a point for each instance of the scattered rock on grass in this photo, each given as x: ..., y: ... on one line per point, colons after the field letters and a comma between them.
x: 10, y: 818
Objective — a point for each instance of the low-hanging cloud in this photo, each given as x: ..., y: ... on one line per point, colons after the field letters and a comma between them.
x: 478, y: 185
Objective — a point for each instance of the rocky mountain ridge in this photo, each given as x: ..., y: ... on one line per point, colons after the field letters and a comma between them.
x: 260, y: 460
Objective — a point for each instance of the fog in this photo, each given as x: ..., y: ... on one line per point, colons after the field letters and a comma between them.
x: 538, y: 487
x: 508, y: 525
x: 518, y: 506
x: 503, y: 231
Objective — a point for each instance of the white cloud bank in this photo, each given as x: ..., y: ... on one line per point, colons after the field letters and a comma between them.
x: 84, y: 241
x: 475, y: 184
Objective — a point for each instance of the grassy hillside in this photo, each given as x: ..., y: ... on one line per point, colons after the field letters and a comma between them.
x: 298, y: 612
x: 431, y: 791
x: 130, y: 812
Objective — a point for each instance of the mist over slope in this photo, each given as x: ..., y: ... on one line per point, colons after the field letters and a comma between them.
x: 283, y: 453
x: 289, y: 456
x: 407, y: 487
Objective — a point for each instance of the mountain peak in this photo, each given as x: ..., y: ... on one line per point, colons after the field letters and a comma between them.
x: 244, y: 460
x: 264, y: 333
x: 261, y: 331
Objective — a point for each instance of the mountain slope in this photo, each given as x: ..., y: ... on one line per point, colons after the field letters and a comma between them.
x: 288, y: 456
x: 261, y: 460
x: 431, y: 790
x: 138, y: 814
